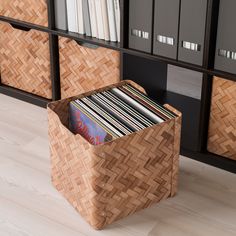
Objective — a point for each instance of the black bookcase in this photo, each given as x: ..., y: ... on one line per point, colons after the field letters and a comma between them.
x: 152, y: 75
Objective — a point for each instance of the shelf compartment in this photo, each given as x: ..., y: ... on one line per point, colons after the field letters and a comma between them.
x: 153, y: 76
x: 185, y: 82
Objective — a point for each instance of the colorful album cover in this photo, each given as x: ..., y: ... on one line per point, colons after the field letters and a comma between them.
x: 81, y: 124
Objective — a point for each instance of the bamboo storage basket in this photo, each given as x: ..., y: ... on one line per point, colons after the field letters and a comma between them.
x: 25, y: 60
x: 83, y: 69
x: 108, y: 182
x: 222, y: 127
x: 31, y: 11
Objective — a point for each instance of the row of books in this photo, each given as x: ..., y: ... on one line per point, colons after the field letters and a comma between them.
x: 114, y: 113
x: 95, y: 18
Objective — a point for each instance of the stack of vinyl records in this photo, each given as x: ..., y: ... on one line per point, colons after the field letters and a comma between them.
x: 114, y: 113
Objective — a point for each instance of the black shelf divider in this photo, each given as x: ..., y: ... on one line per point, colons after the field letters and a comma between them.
x: 211, y: 159
x: 86, y: 39
x: 24, y: 96
x: 51, y: 14
x: 124, y: 21
x: 211, y: 33
x: 185, y: 65
x: 205, y: 111
x: 55, y: 70
x: 24, y: 24
x: 122, y: 47
x: 67, y: 34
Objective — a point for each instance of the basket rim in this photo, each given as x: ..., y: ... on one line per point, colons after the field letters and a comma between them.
x: 51, y: 105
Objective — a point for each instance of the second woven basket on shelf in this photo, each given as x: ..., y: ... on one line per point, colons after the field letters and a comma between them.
x: 83, y: 69
x: 25, y: 60
x: 30, y: 11
x: 222, y: 127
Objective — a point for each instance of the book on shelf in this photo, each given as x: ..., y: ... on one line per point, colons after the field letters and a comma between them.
x: 94, y: 18
x: 105, y: 19
x: 80, y: 12
x: 117, y: 17
x: 90, y: 128
x: 60, y: 14
x: 114, y: 113
x: 111, y: 20
x: 86, y: 16
x: 72, y: 15
x: 98, y: 9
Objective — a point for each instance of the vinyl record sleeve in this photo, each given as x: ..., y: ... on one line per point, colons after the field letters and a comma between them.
x: 137, y: 105
x: 96, y: 117
x: 151, y: 102
x: 144, y: 103
x: 81, y: 123
x: 108, y: 117
x: 119, y: 102
x: 117, y: 113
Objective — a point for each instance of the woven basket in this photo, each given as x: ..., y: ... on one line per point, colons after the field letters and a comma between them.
x: 108, y: 182
x: 31, y: 11
x: 222, y: 128
x: 25, y: 60
x: 83, y: 69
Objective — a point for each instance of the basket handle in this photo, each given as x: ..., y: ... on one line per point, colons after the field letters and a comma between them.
x: 19, y: 27
x: 172, y: 109
x: 87, y: 45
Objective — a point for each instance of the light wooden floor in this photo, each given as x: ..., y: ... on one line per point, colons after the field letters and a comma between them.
x: 29, y: 205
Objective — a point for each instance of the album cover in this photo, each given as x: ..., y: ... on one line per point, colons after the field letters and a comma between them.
x: 81, y: 124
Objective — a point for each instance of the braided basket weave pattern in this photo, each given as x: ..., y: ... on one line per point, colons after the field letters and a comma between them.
x: 25, y: 60
x: 222, y: 128
x: 83, y: 69
x: 31, y: 11
x: 111, y: 181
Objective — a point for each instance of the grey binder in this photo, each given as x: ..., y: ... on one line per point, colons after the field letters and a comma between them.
x: 60, y: 14
x: 140, y: 25
x: 166, y: 28
x: 86, y: 17
x: 225, y: 58
x: 192, y: 31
